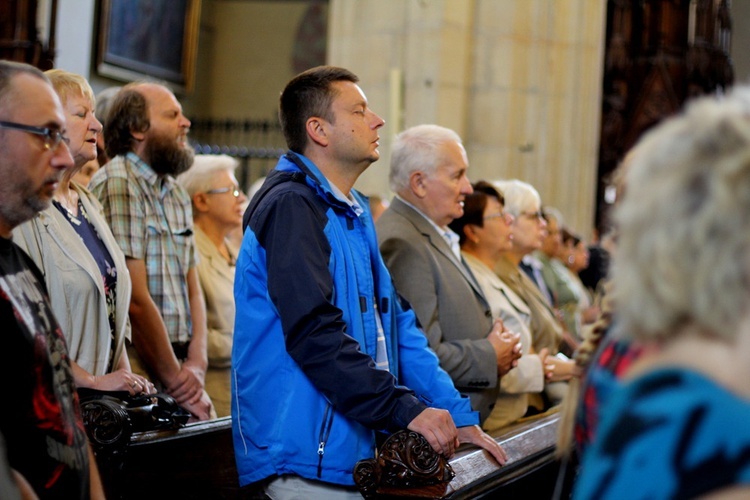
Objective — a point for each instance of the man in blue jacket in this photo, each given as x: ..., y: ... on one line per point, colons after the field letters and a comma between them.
x: 325, y: 353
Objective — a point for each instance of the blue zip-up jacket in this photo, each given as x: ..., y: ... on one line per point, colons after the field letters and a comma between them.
x: 306, y: 396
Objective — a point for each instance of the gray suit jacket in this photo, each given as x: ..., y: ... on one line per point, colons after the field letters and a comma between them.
x: 446, y: 299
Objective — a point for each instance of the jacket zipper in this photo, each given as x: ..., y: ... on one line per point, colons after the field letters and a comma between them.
x: 325, y: 431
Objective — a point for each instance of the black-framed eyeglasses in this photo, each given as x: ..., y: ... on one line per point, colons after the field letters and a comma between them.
x: 52, y: 137
x: 233, y: 189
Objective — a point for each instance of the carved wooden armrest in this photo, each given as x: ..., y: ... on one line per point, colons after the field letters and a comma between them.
x: 406, y: 465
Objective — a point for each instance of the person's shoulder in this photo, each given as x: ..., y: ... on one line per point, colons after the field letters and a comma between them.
x: 86, y: 195
x: 19, y: 260
x: 399, y: 240
x: 287, y: 195
x: 389, y: 219
x: 291, y: 206
x: 115, y: 169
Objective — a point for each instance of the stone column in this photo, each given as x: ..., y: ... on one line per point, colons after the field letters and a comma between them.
x: 519, y: 80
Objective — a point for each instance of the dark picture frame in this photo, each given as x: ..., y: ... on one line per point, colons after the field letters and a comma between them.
x: 149, y: 39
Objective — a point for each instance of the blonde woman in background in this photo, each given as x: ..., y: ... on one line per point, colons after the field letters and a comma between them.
x: 84, y: 268
x: 578, y: 309
x: 677, y: 427
x: 559, y: 280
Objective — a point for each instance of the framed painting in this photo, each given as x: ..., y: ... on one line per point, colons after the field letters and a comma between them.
x: 154, y: 39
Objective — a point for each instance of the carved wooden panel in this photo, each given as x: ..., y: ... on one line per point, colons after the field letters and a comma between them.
x: 20, y: 39
x: 658, y: 54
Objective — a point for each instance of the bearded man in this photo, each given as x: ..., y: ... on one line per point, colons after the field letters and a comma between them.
x: 150, y: 216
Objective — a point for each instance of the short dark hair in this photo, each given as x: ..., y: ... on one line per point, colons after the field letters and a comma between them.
x: 128, y: 113
x: 10, y: 69
x: 474, y: 205
x: 308, y: 94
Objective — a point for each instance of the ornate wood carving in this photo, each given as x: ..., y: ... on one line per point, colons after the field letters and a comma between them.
x: 406, y: 461
x: 20, y: 39
x: 658, y: 54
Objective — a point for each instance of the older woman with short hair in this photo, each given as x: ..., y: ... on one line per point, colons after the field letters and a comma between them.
x: 84, y: 268
x: 218, y: 205
x: 678, y: 426
x: 522, y: 201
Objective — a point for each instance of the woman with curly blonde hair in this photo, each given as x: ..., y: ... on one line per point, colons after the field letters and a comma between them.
x: 677, y: 426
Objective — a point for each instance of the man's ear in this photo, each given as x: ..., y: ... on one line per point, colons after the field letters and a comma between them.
x: 138, y: 136
x: 316, y: 130
x: 418, y: 183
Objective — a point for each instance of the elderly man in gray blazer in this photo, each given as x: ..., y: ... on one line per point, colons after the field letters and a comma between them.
x: 428, y: 175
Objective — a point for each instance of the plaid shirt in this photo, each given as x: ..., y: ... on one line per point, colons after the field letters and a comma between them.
x: 151, y: 219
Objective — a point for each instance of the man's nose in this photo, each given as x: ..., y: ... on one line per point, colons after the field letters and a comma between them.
x: 62, y: 158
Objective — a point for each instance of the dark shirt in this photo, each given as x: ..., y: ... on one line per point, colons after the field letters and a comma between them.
x: 536, y: 277
x: 41, y: 420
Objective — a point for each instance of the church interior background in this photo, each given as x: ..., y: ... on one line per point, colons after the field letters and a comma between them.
x: 552, y: 92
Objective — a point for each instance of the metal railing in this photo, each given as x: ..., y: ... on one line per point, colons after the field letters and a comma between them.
x: 257, y: 144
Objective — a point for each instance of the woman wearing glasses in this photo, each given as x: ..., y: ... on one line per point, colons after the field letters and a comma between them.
x: 485, y: 231
x: 83, y: 267
x: 529, y: 228
x: 218, y: 205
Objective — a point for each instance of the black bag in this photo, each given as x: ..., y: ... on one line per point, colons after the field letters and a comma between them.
x: 111, y: 418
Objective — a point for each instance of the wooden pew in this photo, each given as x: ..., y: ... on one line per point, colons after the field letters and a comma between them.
x: 531, y: 469
x: 197, y: 462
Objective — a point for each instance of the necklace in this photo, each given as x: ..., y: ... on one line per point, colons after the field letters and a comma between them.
x: 69, y: 201
x: 72, y: 218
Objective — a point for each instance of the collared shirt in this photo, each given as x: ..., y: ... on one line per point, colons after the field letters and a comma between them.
x: 450, y: 237
x: 349, y: 200
x: 151, y: 219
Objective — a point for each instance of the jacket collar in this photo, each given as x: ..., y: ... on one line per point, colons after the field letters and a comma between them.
x: 211, y: 255
x: 292, y: 162
x: 494, y: 281
x: 429, y: 231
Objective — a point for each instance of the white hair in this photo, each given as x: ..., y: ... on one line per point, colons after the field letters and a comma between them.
x: 104, y: 101
x: 683, y: 250
x: 199, y: 177
x: 552, y: 213
x: 417, y: 149
x: 519, y: 196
